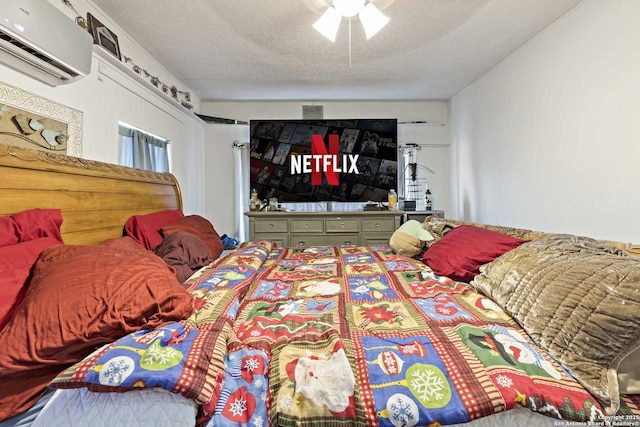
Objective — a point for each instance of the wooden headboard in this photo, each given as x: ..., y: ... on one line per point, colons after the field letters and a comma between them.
x: 95, y: 198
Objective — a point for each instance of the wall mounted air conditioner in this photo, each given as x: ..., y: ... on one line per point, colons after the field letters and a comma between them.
x: 38, y: 39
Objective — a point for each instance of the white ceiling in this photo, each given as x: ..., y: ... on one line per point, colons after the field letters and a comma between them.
x: 267, y: 49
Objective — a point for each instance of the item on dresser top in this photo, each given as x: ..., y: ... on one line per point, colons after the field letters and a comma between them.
x: 428, y: 199
x: 409, y: 205
x: 254, y: 203
x: 373, y: 207
x: 273, y: 204
x: 392, y: 199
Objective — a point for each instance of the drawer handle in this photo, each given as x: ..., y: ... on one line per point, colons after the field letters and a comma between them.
x: 306, y: 225
x: 347, y: 242
x: 377, y: 224
x: 300, y: 243
x: 342, y: 225
x: 270, y: 225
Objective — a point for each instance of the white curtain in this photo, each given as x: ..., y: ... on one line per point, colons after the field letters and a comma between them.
x: 141, y: 150
x: 241, y: 168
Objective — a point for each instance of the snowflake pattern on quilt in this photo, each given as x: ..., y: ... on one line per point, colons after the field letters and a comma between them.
x: 409, y: 382
x: 245, y: 390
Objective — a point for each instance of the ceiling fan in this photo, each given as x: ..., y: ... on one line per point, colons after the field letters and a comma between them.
x: 370, y: 15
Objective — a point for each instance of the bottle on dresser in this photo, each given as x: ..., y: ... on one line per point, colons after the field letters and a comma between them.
x: 254, y: 203
x: 392, y: 200
x: 428, y: 199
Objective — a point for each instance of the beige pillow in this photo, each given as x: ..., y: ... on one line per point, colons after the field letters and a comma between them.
x: 405, y: 244
x: 409, y: 239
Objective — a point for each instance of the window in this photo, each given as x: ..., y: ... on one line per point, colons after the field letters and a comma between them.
x: 142, y: 150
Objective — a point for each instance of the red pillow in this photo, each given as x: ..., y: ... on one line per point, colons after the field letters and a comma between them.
x: 461, y: 251
x: 145, y: 229
x: 16, y: 262
x: 34, y: 223
x: 80, y: 298
x: 200, y: 227
x: 8, y: 231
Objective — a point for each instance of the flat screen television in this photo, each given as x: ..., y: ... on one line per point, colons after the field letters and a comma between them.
x: 324, y: 160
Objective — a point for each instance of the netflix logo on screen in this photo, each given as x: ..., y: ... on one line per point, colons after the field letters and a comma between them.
x: 324, y: 160
x: 320, y: 161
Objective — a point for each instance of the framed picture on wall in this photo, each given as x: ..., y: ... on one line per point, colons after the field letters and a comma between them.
x: 104, y: 37
x: 32, y: 122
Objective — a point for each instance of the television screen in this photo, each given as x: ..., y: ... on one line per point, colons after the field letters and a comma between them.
x: 324, y: 160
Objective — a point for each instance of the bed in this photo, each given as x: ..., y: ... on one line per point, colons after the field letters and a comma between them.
x: 264, y: 335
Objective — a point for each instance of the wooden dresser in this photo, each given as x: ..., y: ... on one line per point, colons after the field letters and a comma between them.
x: 324, y: 228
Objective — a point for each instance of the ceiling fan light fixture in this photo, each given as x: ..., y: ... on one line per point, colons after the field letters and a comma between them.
x: 372, y: 20
x: 328, y: 23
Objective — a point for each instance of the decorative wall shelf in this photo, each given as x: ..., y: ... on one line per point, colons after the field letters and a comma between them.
x: 105, y: 55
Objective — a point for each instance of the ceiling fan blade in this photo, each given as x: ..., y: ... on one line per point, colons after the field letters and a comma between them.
x: 372, y: 20
x: 328, y: 23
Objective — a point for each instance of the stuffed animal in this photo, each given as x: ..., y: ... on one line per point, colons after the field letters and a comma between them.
x: 409, y: 239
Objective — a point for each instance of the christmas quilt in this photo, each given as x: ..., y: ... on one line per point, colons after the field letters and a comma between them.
x: 358, y: 336
x: 341, y: 336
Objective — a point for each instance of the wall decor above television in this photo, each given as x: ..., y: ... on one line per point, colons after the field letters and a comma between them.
x: 352, y: 160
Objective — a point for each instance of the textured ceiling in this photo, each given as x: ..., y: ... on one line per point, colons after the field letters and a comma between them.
x: 267, y: 49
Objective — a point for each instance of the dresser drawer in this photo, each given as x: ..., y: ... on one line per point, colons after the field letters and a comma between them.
x: 280, y: 239
x: 298, y: 240
x: 375, y: 239
x: 343, y: 225
x: 379, y: 224
x: 307, y: 225
x: 271, y: 226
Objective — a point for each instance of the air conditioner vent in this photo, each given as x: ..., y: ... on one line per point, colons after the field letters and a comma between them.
x: 41, y: 41
x: 35, y: 54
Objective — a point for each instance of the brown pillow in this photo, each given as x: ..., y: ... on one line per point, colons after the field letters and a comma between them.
x: 201, y: 228
x: 81, y: 297
x: 183, y: 251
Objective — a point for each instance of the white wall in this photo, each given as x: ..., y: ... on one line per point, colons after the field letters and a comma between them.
x: 219, y: 175
x: 112, y: 93
x: 550, y: 138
